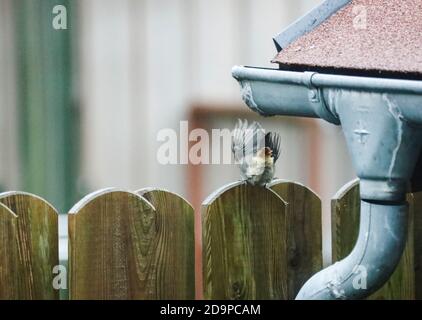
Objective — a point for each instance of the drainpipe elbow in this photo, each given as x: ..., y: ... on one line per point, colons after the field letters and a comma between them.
x: 380, y: 244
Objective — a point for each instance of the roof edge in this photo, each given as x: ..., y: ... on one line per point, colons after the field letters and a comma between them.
x: 308, y: 22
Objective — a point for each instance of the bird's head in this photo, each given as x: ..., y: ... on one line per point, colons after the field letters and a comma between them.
x: 268, y: 152
x: 265, y: 153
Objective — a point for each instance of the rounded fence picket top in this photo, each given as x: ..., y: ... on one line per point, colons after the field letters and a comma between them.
x: 174, y: 261
x: 244, y: 244
x: 112, y: 240
x: 304, y: 232
x: 36, y: 233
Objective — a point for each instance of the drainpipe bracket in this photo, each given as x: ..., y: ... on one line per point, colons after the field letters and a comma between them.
x: 316, y: 99
x: 383, y: 190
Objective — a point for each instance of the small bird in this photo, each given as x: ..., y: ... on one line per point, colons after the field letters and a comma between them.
x: 255, y: 151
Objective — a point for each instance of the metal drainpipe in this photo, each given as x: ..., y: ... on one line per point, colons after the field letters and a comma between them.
x: 381, y: 120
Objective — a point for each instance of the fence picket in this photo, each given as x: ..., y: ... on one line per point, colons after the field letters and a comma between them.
x: 174, y: 257
x: 304, y: 232
x: 110, y: 233
x: 10, y: 284
x: 244, y: 244
x: 345, y: 226
x: 36, y: 233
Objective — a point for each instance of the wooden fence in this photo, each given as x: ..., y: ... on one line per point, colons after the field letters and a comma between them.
x: 258, y: 243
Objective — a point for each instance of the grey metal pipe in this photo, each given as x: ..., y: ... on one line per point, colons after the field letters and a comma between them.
x: 297, y: 97
x: 382, y: 123
x: 327, y: 80
x: 382, y: 236
x: 302, y: 92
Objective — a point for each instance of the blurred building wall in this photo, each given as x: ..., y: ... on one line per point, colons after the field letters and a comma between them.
x: 144, y: 62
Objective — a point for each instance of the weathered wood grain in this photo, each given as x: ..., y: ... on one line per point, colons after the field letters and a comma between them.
x: 417, y: 232
x: 37, y: 240
x: 244, y: 244
x: 345, y: 227
x: 304, y: 232
x: 110, y: 234
x: 172, y: 267
x: 10, y: 284
x: 401, y: 285
x: 345, y: 212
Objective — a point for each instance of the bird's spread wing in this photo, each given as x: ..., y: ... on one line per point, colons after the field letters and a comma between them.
x: 272, y: 141
x: 238, y: 137
x: 247, y: 139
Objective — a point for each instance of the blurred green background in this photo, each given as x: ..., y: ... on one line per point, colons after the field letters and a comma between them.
x: 48, y: 117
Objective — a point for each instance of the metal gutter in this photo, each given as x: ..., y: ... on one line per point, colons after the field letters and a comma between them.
x: 326, y: 80
x: 308, y: 22
x: 382, y: 123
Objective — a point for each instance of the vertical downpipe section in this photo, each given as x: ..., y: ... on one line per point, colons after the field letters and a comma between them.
x: 384, y: 148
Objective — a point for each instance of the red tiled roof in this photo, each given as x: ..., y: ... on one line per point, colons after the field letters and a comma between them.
x: 390, y: 42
